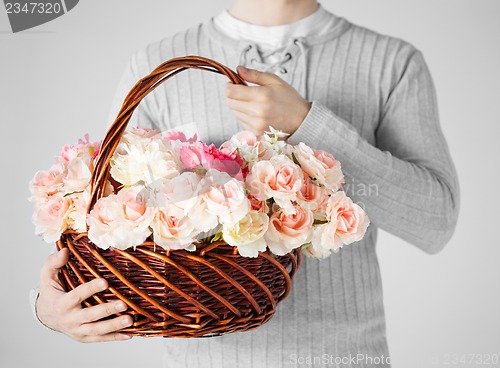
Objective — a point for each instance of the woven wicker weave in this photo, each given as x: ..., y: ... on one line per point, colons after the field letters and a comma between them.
x: 208, y: 292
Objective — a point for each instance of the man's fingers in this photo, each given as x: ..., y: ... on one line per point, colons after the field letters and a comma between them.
x: 51, y: 267
x: 254, y: 76
x: 240, y: 92
x: 241, y: 106
x: 115, y: 336
x: 97, y: 312
x: 105, y: 327
x: 246, y: 124
x: 76, y: 296
x: 244, y: 120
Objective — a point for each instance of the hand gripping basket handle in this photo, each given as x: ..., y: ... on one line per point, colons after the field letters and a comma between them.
x: 141, y: 89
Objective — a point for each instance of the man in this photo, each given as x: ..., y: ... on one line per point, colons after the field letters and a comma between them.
x: 365, y: 97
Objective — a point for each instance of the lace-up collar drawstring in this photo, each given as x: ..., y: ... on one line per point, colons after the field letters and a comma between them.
x: 279, y: 65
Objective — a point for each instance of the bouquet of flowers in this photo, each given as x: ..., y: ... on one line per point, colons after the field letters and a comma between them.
x: 252, y: 192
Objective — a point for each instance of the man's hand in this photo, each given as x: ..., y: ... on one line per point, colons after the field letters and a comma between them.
x: 63, y: 312
x: 272, y: 103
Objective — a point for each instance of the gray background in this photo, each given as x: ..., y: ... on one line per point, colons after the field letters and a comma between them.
x: 57, y: 83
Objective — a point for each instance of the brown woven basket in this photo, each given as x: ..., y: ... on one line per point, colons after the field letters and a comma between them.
x: 208, y: 292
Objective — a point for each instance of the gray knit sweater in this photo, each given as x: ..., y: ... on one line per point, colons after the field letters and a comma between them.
x: 374, y: 108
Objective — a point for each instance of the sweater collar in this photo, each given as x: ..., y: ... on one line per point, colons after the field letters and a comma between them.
x: 340, y: 26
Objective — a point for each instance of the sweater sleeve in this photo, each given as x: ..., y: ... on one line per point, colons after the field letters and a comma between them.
x: 407, y: 183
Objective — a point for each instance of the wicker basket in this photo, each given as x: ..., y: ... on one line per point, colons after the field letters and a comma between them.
x: 208, y: 292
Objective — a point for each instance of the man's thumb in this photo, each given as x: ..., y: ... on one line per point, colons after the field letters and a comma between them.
x: 55, y: 261
x: 254, y: 76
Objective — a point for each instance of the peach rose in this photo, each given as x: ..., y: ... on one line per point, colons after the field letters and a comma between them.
x: 247, y: 137
x: 347, y: 223
x: 140, y: 136
x: 173, y: 230
x: 224, y: 196
x: 258, y: 205
x: 287, y: 232
x: 121, y: 221
x: 279, y: 178
x: 47, y: 182
x: 311, y: 195
x: 350, y: 219
x: 320, y: 165
x: 50, y: 216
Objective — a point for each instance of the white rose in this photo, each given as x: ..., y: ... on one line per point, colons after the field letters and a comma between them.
x: 247, y: 234
x: 132, y: 164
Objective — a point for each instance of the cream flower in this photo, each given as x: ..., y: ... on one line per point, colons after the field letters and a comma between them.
x: 224, y: 196
x: 247, y: 234
x: 136, y: 163
x: 77, y: 175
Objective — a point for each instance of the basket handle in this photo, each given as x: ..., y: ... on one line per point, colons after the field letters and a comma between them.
x: 140, y: 90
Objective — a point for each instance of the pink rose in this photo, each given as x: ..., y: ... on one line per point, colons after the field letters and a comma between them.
x: 287, y: 232
x: 192, y: 156
x: 82, y: 147
x: 179, y: 136
x: 320, y: 165
x: 279, y: 178
x: 223, y: 160
x: 205, y: 157
x: 50, y: 216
